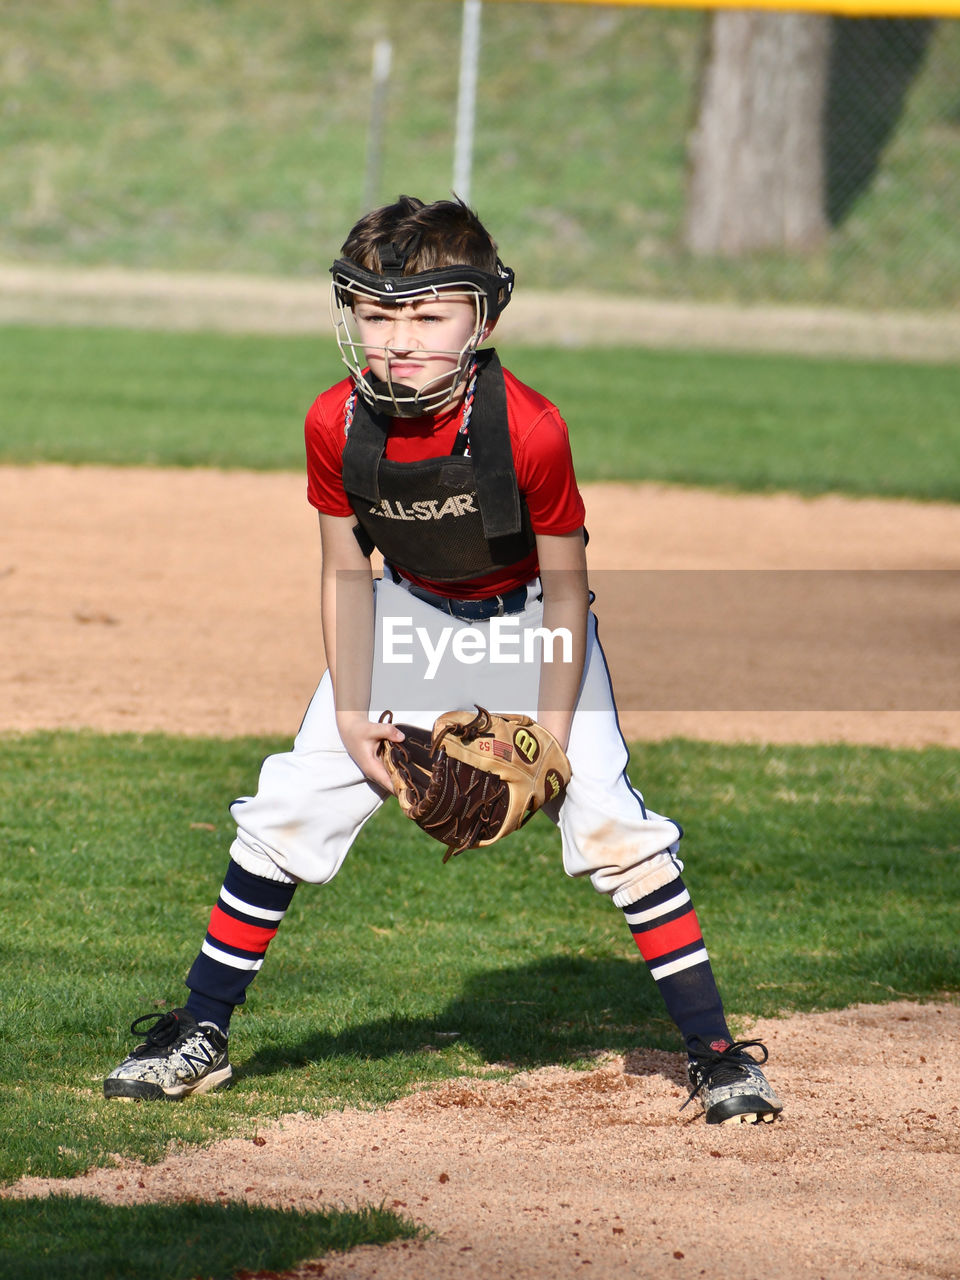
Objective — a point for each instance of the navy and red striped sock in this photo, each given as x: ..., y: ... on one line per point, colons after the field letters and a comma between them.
x: 666, y: 930
x: 243, y: 922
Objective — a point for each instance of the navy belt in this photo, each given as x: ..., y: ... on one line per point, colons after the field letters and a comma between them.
x: 475, y: 610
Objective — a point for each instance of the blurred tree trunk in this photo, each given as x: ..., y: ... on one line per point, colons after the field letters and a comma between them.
x: 757, y: 154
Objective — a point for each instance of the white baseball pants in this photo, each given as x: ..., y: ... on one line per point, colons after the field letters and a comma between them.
x: 312, y: 801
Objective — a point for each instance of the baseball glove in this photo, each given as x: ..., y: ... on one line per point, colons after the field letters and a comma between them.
x: 475, y: 778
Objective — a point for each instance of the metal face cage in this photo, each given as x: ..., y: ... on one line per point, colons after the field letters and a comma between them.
x: 489, y: 294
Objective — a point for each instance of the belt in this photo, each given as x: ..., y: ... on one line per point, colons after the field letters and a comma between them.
x: 475, y: 610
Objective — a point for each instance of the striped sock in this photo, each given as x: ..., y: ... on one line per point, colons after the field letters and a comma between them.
x: 666, y: 930
x: 242, y: 923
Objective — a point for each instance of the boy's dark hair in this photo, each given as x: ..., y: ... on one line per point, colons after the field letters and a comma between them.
x: 446, y: 233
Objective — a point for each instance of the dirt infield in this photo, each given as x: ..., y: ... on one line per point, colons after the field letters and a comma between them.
x: 186, y: 601
x: 558, y: 1175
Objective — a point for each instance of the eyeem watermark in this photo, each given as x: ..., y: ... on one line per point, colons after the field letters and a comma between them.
x: 502, y: 642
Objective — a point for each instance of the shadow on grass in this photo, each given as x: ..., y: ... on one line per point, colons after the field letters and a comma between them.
x: 563, y: 1010
x: 557, y: 1011
x: 79, y: 1238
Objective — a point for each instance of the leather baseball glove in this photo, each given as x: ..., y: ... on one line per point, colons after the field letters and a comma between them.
x: 475, y: 778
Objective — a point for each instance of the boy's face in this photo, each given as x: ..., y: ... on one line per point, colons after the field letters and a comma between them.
x: 417, y: 343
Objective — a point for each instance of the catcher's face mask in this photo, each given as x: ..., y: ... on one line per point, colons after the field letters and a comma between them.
x: 414, y: 335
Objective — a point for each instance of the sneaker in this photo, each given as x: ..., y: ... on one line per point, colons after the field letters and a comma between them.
x: 730, y: 1085
x: 178, y: 1057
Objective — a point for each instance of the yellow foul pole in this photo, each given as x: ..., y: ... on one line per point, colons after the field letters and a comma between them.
x: 845, y: 8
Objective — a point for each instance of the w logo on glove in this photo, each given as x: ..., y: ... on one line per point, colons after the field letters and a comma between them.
x: 527, y: 744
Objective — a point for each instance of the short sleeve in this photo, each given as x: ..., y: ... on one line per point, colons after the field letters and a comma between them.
x: 543, y: 460
x: 324, y: 438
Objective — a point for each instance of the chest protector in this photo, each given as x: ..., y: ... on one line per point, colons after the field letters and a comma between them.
x: 448, y: 518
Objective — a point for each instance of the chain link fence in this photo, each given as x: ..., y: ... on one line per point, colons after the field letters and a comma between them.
x: 246, y: 138
x: 587, y: 120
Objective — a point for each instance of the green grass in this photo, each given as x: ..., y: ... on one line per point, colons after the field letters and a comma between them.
x: 110, y: 396
x: 114, y: 848
x: 217, y: 136
x: 756, y: 422
x: 76, y: 1238
x: 747, y: 422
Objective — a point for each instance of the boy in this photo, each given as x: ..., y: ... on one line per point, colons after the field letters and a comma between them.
x: 462, y: 478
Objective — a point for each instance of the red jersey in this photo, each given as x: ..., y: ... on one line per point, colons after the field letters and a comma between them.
x: 541, y: 457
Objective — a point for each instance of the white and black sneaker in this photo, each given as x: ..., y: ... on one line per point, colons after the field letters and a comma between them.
x: 178, y: 1057
x: 730, y: 1085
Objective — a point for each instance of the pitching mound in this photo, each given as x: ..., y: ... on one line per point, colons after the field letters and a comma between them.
x: 557, y: 1172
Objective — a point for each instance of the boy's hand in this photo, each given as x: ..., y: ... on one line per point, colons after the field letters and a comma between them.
x: 362, y: 738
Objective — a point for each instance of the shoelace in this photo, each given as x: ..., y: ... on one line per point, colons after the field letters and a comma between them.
x: 723, y: 1066
x: 164, y: 1029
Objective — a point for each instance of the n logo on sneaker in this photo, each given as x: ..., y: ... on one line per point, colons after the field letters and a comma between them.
x: 198, y: 1060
